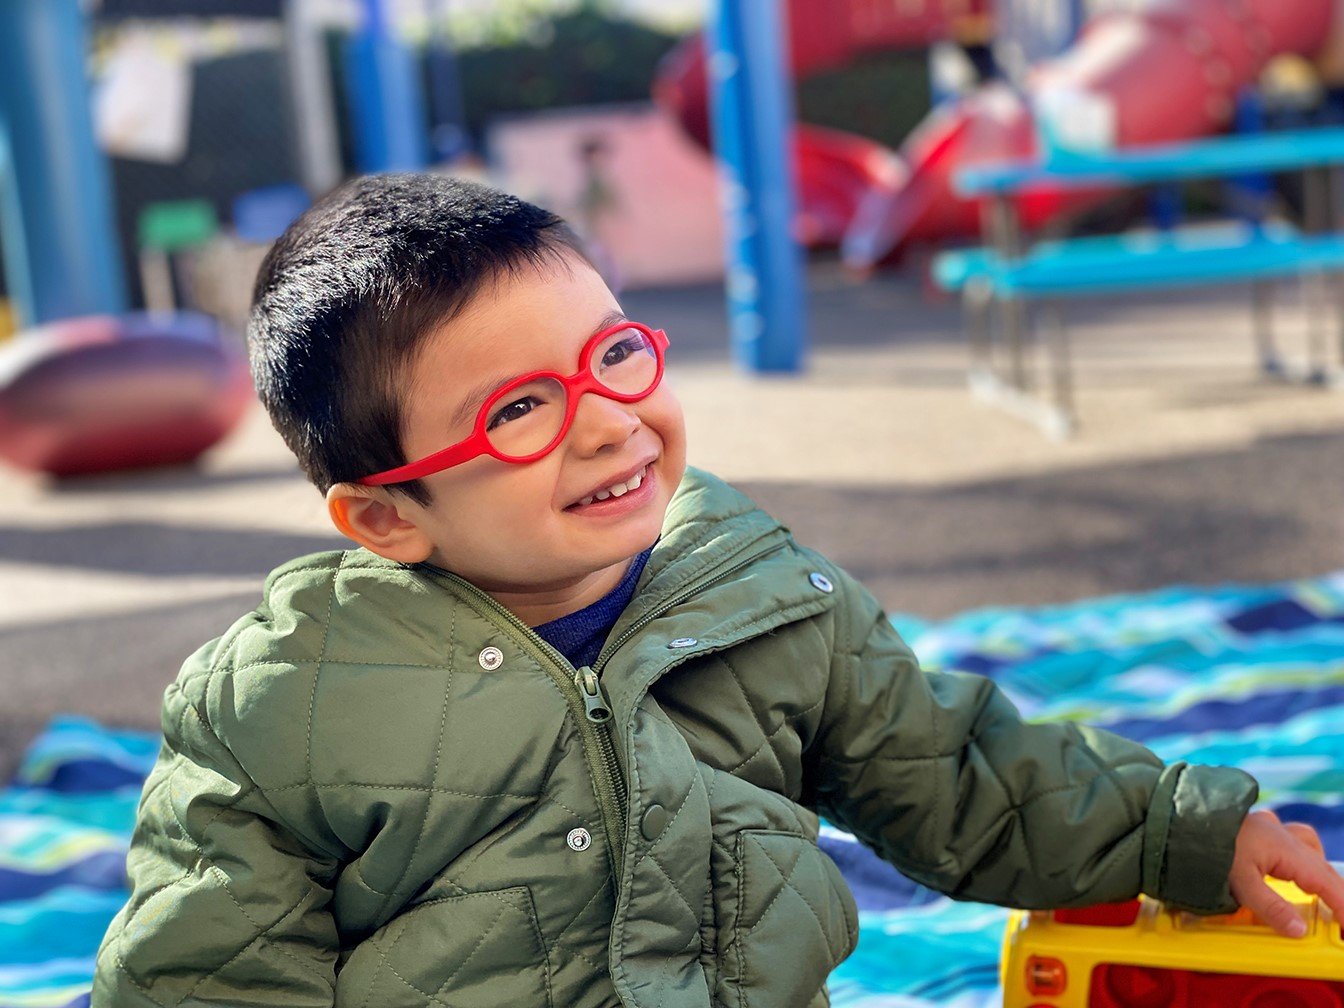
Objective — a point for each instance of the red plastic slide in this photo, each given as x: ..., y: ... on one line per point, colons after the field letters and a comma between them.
x: 837, y: 171
x: 1170, y: 70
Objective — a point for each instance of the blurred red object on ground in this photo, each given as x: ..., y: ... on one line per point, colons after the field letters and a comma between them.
x: 105, y: 393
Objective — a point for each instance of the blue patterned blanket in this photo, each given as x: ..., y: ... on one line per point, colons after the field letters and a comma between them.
x: 1252, y: 677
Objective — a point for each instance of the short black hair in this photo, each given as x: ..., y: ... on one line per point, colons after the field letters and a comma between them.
x: 345, y: 298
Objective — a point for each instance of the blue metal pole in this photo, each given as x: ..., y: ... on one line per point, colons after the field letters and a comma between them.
x: 449, y: 137
x: 387, y: 101
x: 61, y: 251
x: 752, y: 114
x: 1077, y: 18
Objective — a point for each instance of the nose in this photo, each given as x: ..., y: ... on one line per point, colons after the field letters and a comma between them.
x: 600, y: 423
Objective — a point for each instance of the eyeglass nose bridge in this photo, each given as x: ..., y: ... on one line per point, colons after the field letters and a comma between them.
x: 578, y: 385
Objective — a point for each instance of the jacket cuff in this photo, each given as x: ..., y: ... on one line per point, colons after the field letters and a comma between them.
x: 1190, y: 836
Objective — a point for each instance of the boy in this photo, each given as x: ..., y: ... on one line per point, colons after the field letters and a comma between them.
x: 559, y: 732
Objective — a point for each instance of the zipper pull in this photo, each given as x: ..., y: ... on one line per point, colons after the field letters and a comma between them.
x: 595, y: 703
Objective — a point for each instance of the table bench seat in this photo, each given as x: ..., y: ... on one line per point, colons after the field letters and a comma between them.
x: 1117, y: 263
x: 1055, y: 271
x: 1000, y: 283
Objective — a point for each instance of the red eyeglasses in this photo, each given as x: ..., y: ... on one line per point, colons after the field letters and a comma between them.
x: 524, y: 419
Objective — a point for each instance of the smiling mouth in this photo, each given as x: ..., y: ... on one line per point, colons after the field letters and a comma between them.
x: 615, y: 489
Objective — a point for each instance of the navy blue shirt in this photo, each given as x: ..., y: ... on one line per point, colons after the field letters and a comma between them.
x: 580, y: 635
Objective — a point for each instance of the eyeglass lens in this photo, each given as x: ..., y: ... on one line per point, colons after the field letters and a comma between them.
x: 524, y: 419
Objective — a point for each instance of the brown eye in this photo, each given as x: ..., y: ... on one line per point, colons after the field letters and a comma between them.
x: 513, y: 411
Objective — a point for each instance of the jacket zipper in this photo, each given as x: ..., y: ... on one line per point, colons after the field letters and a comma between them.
x: 597, y: 709
x: 592, y: 712
x: 586, y: 696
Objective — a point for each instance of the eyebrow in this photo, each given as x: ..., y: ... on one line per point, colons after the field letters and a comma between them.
x: 481, y: 391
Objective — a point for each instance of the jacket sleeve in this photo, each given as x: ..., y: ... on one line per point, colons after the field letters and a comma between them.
x: 939, y: 774
x: 227, y: 906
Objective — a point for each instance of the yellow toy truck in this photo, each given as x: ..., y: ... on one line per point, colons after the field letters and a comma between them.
x: 1142, y: 954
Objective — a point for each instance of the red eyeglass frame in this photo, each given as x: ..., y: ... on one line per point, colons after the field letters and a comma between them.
x: 576, y: 385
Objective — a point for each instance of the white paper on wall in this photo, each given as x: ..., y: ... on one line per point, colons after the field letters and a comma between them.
x: 142, y: 106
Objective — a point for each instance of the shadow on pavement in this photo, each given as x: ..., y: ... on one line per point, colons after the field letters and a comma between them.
x: 152, y: 548
x: 1271, y: 511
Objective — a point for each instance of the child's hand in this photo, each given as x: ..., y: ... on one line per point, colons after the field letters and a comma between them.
x: 1290, y: 851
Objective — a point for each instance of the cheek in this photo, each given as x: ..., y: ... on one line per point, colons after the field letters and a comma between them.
x: 490, y: 502
x: 664, y: 415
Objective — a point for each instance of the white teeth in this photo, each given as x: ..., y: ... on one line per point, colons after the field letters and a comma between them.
x: 617, y: 489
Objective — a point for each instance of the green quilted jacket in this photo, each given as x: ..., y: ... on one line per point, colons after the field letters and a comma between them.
x: 380, y: 789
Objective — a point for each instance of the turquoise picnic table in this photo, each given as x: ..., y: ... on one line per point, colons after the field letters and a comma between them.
x: 1000, y: 280
x: 1241, y: 154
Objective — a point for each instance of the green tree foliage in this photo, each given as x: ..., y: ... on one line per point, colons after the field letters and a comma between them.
x: 583, y: 57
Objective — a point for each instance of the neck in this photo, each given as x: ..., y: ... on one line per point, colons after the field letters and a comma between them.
x: 537, y: 606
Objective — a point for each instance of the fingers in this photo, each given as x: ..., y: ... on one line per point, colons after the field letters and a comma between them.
x: 1289, y: 851
x: 1313, y: 874
x: 1306, y: 834
x: 1270, y: 907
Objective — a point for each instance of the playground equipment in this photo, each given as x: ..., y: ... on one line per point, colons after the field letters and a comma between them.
x: 101, y: 393
x: 836, y: 170
x: 61, y: 255
x: 90, y: 390
x: 84, y: 389
x: 753, y: 112
x: 1164, y: 72
x: 1161, y: 72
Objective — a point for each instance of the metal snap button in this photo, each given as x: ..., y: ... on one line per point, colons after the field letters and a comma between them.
x: 491, y: 658
x: 683, y: 642
x: 578, y: 839
x: 821, y: 582
x: 654, y: 822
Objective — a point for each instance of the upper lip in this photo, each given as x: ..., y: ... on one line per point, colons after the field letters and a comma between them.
x: 623, y: 477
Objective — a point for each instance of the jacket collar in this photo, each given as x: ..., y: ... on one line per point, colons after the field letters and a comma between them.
x: 687, y: 600
x: 709, y: 525
x: 710, y: 531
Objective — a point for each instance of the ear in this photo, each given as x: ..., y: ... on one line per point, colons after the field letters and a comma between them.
x: 374, y: 519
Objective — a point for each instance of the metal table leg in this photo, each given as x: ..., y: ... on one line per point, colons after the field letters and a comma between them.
x: 1008, y: 241
x: 1262, y: 320
x: 1062, y: 420
x: 1316, y: 211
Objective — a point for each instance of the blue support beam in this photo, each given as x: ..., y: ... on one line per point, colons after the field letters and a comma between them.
x: 387, y: 100
x: 61, y: 252
x: 752, y: 113
x: 1077, y: 18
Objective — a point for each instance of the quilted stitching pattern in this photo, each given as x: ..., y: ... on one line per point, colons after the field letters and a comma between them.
x: 838, y: 943
x: 788, y: 897
x: 383, y: 892
x: 514, y: 910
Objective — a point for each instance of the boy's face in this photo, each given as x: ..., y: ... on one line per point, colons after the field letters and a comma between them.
x: 511, y: 528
